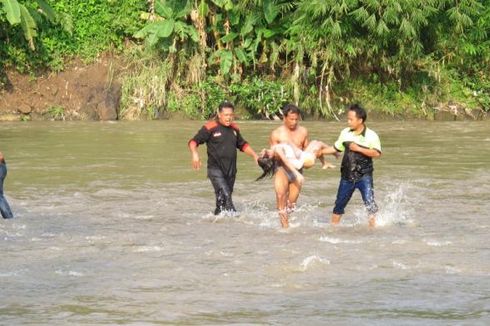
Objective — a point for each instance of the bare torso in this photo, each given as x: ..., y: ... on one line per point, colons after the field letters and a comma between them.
x: 297, y: 136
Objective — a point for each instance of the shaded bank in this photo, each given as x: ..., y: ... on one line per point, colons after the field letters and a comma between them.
x: 80, y: 92
x: 94, y: 92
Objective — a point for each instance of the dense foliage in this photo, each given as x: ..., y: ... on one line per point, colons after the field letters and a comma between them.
x: 397, y: 56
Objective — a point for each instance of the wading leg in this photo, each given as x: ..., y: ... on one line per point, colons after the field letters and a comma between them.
x: 281, y: 188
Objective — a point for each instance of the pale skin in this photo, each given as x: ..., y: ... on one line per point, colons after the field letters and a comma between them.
x: 357, y: 124
x: 225, y: 118
x: 287, y: 193
x: 319, y: 149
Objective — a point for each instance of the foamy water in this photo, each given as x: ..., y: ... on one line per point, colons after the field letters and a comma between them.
x: 111, y: 229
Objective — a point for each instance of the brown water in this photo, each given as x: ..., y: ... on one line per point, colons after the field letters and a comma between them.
x: 114, y: 227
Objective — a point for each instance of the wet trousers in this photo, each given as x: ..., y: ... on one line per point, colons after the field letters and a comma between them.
x: 223, y: 188
x: 346, y: 189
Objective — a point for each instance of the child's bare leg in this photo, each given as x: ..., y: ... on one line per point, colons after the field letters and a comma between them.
x: 325, y: 164
x: 324, y: 150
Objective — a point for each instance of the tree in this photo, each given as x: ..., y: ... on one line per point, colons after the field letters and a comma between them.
x: 28, y: 18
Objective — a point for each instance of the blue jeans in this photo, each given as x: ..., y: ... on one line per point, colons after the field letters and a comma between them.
x: 346, y: 189
x: 4, y: 205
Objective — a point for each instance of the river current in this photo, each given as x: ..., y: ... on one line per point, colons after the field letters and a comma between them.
x: 113, y: 227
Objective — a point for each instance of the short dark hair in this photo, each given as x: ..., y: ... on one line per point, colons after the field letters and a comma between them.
x: 359, y: 110
x: 226, y: 104
x: 289, y: 108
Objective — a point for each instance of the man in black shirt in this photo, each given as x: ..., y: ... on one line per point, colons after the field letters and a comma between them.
x: 223, y: 138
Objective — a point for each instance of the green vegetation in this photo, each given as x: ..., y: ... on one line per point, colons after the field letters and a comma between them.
x: 398, y: 57
x: 56, y: 112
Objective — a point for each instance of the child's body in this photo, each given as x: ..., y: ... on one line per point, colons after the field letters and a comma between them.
x: 305, y: 159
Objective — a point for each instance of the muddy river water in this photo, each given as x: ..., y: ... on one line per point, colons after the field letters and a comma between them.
x: 112, y: 226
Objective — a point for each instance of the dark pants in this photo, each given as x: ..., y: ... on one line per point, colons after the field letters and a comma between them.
x: 346, y: 189
x: 4, y: 205
x: 223, y: 188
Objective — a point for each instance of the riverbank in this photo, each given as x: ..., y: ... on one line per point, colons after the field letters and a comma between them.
x: 93, y: 91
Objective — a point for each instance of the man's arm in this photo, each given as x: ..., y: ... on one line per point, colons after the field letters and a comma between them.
x: 250, y: 152
x: 306, y: 140
x: 279, y: 153
x: 365, y: 151
x: 196, y: 161
x: 201, y: 137
x: 274, y: 139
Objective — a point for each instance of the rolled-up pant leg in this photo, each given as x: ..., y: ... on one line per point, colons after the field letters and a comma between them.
x: 4, y: 205
x: 366, y: 188
x: 223, y: 189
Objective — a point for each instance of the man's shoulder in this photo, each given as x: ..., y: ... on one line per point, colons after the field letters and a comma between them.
x: 345, y: 131
x: 371, y: 133
x: 275, y: 133
x: 278, y: 129
x: 302, y: 130
x: 212, y: 124
x: 234, y: 126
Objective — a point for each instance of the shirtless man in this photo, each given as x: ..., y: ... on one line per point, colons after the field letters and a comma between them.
x: 285, y: 184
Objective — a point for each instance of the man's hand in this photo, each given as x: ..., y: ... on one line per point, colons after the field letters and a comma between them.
x: 196, y: 161
x: 364, y: 151
x: 354, y: 147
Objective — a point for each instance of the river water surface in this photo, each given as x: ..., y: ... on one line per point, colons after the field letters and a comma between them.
x: 113, y: 227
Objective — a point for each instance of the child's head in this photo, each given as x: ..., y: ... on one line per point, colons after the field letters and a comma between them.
x: 267, y: 163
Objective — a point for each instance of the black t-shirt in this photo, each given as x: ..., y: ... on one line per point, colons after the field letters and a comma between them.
x: 355, y: 165
x: 222, y: 143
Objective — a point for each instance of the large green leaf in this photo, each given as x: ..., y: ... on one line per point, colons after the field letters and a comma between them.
x: 248, y: 26
x: 267, y: 33
x: 241, y: 56
x: 152, y: 39
x: 48, y: 11
x: 12, y: 9
x: 183, y: 9
x: 226, y: 60
x: 148, y: 29
x: 163, y: 9
x: 165, y: 28
x: 224, y: 4
x: 203, y: 8
x: 270, y: 10
x: 193, y: 34
x: 28, y: 25
x: 185, y: 31
x: 229, y: 38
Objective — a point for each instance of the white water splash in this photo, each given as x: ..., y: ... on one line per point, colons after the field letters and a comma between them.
x: 148, y: 249
x: 394, y: 207
x: 399, y: 265
x: 435, y: 243
x: 312, y: 260
x: 452, y: 270
x: 338, y: 240
x: 69, y: 273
